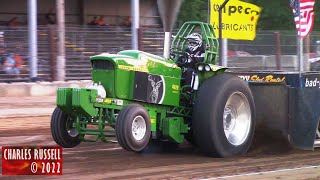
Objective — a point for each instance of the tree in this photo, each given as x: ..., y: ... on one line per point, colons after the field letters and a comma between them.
x: 193, y: 10
x: 275, y: 15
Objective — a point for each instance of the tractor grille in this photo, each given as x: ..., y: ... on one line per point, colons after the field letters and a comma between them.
x: 102, y: 64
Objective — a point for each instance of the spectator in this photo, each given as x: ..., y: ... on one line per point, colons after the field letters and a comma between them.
x: 50, y: 17
x: 10, y: 65
x: 3, y: 55
x: 19, y: 61
x: 2, y: 60
x: 13, y: 22
x: 93, y: 21
x: 100, y: 21
x: 127, y: 22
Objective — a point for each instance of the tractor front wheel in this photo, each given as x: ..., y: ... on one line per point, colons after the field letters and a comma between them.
x: 224, y: 116
x: 62, y: 129
x: 133, y: 128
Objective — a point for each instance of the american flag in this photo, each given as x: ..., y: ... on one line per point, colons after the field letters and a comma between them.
x: 303, y: 15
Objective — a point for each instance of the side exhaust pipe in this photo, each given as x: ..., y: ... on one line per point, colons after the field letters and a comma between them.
x: 168, y: 10
x: 166, y: 47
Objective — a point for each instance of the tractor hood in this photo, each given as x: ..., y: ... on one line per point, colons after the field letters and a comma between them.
x: 141, y: 61
x: 139, y: 76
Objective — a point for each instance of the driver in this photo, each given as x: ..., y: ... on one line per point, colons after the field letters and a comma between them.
x: 193, y: 54
x: 195, y: 51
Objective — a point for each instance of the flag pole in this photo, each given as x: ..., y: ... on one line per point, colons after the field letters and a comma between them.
x: 220, y: 32
x: 300, y: 54
x: 209, y: 13
x: 300, y: 44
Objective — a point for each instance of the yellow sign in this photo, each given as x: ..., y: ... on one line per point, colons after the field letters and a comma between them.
x: 239, y: 19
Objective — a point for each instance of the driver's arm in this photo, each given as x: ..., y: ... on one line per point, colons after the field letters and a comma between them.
x: 199, y: 58
x: 180, y: 61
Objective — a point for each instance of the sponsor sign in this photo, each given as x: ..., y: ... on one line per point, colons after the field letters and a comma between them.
x: 312, y: 82
x: 239, y: 19
x: 21, y: 160
x: 263, y: 78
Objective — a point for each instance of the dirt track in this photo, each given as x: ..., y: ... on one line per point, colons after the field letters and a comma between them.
x: 100, y: 160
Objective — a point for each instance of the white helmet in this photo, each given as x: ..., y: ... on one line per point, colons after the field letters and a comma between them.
x: 194, y: 41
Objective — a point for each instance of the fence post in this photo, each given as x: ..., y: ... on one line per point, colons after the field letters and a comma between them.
x: 140, y: 39
x: 61, y: 55
x: 33, y: 40
x: 278, y: 50
x: 52, y: 52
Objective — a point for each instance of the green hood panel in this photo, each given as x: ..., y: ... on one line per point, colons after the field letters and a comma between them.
x: 141, y: 61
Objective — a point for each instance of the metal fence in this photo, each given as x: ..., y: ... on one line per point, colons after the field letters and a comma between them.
x: 85, y: 41
x: 265, y: 43
x: 270, y: 47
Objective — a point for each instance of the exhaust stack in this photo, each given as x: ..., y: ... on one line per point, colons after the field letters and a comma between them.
x: 168, y: 10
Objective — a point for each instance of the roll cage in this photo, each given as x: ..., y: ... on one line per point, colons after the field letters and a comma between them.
x: 208, y: 36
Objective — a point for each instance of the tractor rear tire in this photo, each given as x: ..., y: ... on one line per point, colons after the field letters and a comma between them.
x: 133, y: 128
x: 62, y: 130
x: 224, y: 116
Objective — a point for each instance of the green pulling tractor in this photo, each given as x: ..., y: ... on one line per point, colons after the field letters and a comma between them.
x: 140, y: 98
